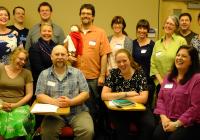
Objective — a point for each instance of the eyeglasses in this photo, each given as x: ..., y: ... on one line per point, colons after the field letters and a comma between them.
x: 88, y: 14
x: 22, y: 59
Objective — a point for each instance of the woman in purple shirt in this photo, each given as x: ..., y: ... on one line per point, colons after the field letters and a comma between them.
x: 178, y: 103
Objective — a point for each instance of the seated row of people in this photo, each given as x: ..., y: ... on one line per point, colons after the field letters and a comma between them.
x: 177, y: 105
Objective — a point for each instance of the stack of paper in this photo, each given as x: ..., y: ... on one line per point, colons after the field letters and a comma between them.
x: 37, y: 108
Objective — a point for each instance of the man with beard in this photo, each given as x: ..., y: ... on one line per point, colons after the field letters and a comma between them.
x: 64, y: 86
x: 93, y: 60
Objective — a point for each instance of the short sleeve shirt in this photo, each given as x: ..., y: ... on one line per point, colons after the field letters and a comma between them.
x: 12, y: 90
x: 73, y: 84
x: 117, y: 83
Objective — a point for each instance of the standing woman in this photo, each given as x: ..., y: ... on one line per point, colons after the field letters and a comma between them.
x: 8, y: 37
x: 165, y: 49
x: 118, y: 40
x: 39, y: 53
x: 195, y: 42
x: 142, y: 50
x: 178, y: 103
x: 16, y: 90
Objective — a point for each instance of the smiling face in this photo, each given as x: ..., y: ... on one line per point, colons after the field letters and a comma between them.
x: 123, y: 62
x: 59, y: 56
x: 45, y: 13
x: 20, y: 60
x: 86, y: 16
x: 183, y: 60
x: 184, y: 23
x: 4, y: 17
x: 142, y: 32
x: 169, y: 26
x: 19, y: 15
x: 117, y: 28
x: 46, y: 32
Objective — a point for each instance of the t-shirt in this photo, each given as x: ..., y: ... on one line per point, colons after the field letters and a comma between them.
x: 13, y: 90
x: 22, y: 34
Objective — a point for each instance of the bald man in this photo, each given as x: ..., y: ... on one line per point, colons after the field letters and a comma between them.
x: 64, y: 86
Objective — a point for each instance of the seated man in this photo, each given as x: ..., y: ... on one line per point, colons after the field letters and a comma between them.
x: 65, y: 87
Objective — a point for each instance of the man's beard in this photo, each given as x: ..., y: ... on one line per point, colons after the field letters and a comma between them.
x: 60, y: 64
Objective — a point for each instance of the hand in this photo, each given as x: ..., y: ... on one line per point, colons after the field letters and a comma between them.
x: 72, y: 59
x: 6, y: 106
x: 170, y: 127
x: 101, y: 80
x: 165, y: 122
x: 131, y: 94
x: 63, y: 101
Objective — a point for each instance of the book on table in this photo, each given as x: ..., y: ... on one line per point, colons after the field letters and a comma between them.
x: 122, y: 102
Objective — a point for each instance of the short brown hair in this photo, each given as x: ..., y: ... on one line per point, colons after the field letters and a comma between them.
x: 45, y: 4
x: 3, y: 8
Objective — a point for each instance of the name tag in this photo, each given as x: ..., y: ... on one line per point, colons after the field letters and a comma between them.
x: 118, y: 46
x: 50, y: 83
x: 158, y: 53
x: 168, y: 86
x: 143, y: 51
x: 92, y: 43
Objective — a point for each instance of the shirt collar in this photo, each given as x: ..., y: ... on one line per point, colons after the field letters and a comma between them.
x: 163, y: 37
x: 69, y: 71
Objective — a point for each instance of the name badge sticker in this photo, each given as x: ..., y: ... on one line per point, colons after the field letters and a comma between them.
x: 50, y: 83
x: 143, y: 51
x: 168, y: 86
x: 158, y: 53
x: 92, y: 42
x: 118, y: 46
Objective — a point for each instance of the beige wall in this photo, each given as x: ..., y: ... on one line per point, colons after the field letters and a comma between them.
x: 167, y: 8
x: 66, y: 12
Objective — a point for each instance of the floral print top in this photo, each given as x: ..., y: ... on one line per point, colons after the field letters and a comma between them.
x: 195, y: 42
x: 117, y: 83
x: 8, y: 43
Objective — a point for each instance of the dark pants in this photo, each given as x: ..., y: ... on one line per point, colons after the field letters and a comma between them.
x: 182, y: 133
x: 143, y: 120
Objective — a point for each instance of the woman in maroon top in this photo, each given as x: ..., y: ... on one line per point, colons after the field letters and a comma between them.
x: 178, y: 103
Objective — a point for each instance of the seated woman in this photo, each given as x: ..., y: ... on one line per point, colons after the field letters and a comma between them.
x: 128, y: 81
x: 178, y: 103
x: 16, y: 89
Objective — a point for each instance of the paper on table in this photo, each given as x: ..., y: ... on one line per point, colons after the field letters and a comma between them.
x: 44, y: 108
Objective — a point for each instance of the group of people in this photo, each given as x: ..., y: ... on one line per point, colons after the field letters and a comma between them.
x: 164, y: 73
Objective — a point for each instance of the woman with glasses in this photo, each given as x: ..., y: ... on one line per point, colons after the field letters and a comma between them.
x: 16, y: 90
x: 165, y: 49
x: 118, y: 40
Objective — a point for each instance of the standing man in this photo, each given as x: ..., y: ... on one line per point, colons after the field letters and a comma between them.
x: 93, y: 60
x: 45, y: 10
x: 19, y: 16
x: 65, y: 87
x: 185, y: 20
